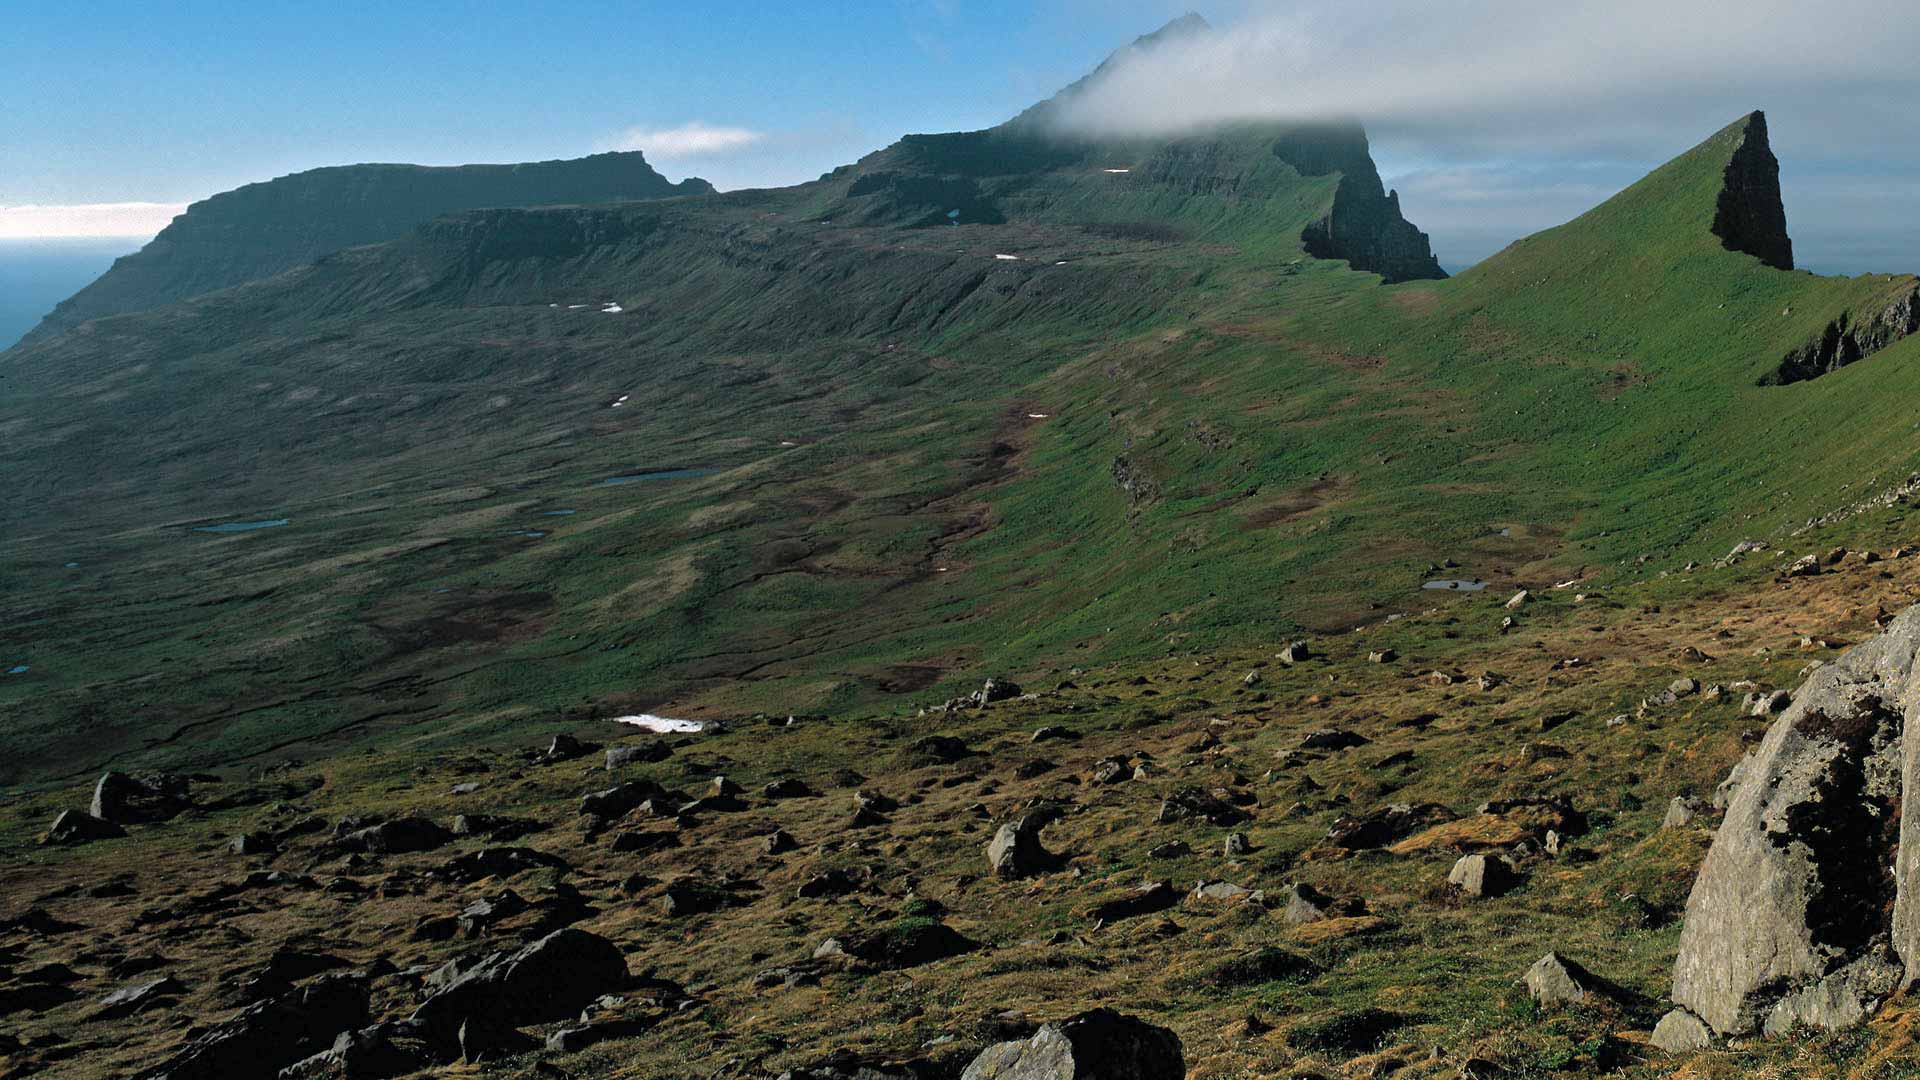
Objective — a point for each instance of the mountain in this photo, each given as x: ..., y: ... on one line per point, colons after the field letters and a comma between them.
x: 1037, y: 571
x: 264, y: 229
x: 878, y: 404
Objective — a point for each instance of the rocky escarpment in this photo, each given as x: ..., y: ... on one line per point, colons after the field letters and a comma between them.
x: 1807, y: 909
x: 264, y: 229
x: 1846, y: 340
x: 1751, y: 216
x: 1364, y: 227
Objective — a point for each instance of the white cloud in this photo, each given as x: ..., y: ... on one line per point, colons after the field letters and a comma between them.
x: 1475, y: 76
x: 686, y: 141
x: 33, y: 221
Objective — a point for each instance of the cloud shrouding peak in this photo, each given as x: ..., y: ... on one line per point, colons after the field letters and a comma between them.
x: 35, y: 221
x: 686, y: 141
x: 1493, y: 72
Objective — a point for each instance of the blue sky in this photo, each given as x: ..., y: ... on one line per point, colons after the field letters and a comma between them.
x: 1494, y: 117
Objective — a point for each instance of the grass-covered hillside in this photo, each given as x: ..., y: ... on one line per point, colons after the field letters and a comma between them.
x: 1096, y: 414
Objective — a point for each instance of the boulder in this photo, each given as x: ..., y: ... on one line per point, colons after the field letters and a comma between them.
x: 130, y: 800
x: 1681, y: 811
x: 1555, y: 980
x: 267, y: 1036
x: 1681, y: 1032
x: 1196, y: 804
x: 551, y: 979
x: 398, y: 837
x: 641, y: 753
x: 1384, y: 826
x: 1333, y: 739
x: 1097, y: 1045
x: 564, y: 747
x: 499, y: 862
x: 378, y: 1052
x: 1789, y: 911
x: 1016, y: 851
x: 75, y: 827
x: 139, y: 997
x: 620, y: 800
x: 996, y: 690
x: 1146, y: 899
x: 1482, y: 876
x: 1306, y: 904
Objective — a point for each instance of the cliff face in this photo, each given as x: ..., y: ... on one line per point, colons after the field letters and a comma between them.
x: 264, y: 229
x: 1364, y: 227
x: 1847, y: 339
x: 1751, y: 217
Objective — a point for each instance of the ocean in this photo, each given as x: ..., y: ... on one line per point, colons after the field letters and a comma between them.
x: 37, y: 274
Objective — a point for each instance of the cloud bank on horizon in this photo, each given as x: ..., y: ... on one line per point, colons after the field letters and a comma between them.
x: 37, y: 221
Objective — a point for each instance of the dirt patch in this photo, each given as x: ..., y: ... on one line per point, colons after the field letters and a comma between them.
x: 467, y: 619
x: 1296, y: 504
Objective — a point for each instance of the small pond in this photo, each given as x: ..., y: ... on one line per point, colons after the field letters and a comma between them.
x: 18, y: 669
x: 241, y: 526
x: 558, y: 513
x: 1456, y: 586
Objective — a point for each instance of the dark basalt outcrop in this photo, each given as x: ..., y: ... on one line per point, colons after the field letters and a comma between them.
x: 1844, y: 341
x: 1751, y: 217
x: 1364, y: 228
x: 260, y: 230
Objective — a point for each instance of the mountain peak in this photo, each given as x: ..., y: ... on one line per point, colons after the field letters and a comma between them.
x: 1751, y: 216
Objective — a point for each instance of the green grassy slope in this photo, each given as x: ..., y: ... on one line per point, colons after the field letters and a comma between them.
x: 1161, y: 426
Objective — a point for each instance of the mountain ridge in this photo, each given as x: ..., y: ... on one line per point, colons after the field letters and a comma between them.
x: 262, y: 229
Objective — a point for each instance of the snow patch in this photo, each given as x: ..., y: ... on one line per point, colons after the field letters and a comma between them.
x: 1008, y: 258
x: 661, y: 725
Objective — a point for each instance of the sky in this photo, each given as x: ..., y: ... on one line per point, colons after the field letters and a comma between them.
x: 1494, y: 118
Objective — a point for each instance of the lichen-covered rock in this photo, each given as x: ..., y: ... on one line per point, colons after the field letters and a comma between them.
x: 1787, y: 923
x: 1097, y: 1045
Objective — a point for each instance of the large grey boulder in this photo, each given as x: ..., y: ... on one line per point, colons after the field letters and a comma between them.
x: 1787, y: 923
x: 1016, y: 851
x: 1097, y: 1045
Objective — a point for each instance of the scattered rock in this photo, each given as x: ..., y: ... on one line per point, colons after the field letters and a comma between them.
x: 551, y: 979
x: 1385, y: 825
x: 641, y: 753
x: 1145, y: 899
x: 398, y: 837
x: 270, y: 1035
x: 1482, y: 876
x: 129, y: 800
x: 1681, y: 1032
x: 74, y: 827
x: 1555, y: 980
x: 1681, y: 811
x: 1016, y: 851
x: 1097, y: 1045
x: 1333, y: 739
